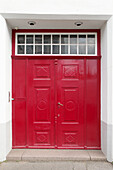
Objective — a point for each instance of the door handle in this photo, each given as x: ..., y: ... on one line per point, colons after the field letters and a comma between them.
x: 12, y: 99
x: 60, y: 104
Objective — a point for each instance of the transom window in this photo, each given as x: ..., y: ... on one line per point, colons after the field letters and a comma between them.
x: 56, y: 44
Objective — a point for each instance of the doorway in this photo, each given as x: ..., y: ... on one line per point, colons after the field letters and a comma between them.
x: 56, y: 89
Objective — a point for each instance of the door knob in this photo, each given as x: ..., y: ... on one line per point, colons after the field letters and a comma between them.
x: 60, y: 104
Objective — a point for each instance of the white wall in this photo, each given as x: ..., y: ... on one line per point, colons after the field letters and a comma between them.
x: 107, y: 89
x: 5, y: 86
x: 57, y: 6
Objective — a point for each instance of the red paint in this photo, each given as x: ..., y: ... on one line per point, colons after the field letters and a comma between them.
x: 70, y: 92
x: 39, y: 84
x: 92, y: 103
x: 40, y: 103
x: 19, y: 104
x: 56, y: 57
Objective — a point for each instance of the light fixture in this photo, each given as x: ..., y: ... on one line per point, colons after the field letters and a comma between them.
x: 16, y: 28
x: 31, y: 23
x: 78, y: 24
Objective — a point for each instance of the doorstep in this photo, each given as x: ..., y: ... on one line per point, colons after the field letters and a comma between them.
x: 55, y: 155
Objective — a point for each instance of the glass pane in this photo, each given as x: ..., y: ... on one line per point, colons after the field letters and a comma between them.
x: 29, y: 39
x: 47, y: 49
x: 73, y: 49
x: 91, y: 39
x: 82, y: 39
x: 91, y: 49
x: 38, y: 39
x: 55, y: 39
x: 29, y: 49
x: 20, y: 49
x: 47, y: 39
x: 82, y: 49
x: 55, y: 49
x: 21, y: 39
x: 64, y: 39
x: 38, y: 49
x: 64, y: 49
x: 73, y: 39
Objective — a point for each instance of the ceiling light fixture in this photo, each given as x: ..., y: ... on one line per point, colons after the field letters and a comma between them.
x: 16, y: 28
x: 31, y: 23
x: 78, y: 24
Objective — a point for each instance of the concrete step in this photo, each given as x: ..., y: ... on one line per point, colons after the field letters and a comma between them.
x: 55, y: 155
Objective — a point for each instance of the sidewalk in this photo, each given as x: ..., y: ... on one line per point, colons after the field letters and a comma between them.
x: 37, y: 159
x: 57, y: 165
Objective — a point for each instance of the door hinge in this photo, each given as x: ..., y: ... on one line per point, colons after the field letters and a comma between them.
x: 9, y: 96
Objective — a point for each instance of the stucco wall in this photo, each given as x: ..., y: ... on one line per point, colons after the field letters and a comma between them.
x: 5, y: 87
x: 57, y: 6
x: 107, y: 89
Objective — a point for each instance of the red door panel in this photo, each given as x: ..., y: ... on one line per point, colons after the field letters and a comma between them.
x: 19, y: 78
x: 19, y: 119
x: 19, y: 103
x: 40, y: 103
x: 92, y: 103
x: 70, y: 93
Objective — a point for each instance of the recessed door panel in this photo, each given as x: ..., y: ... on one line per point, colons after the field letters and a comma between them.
x: 71, y: 104
x: 42, y: 104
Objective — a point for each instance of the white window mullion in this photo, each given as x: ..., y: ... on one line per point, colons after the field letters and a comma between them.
x: 42, y: 44
x: 96, y: 44
x: 60, y: 45
x: 25, y: 44
x: 51, y: 44
x: 33, y: 44
x: 77, y: 44
x: 68, y: 43
x: 86, y: 44
x: 16, y: 45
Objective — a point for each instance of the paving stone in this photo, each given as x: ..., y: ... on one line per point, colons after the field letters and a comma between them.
x: 79, y: 165
x: 16, y: 166
x: 15, y: 154
x: 26, y: 166
x: 96, y: 155
x: 99, y: 165
x: 63, y: 165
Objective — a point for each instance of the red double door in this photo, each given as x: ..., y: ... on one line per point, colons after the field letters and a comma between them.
x: 56, y: 103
